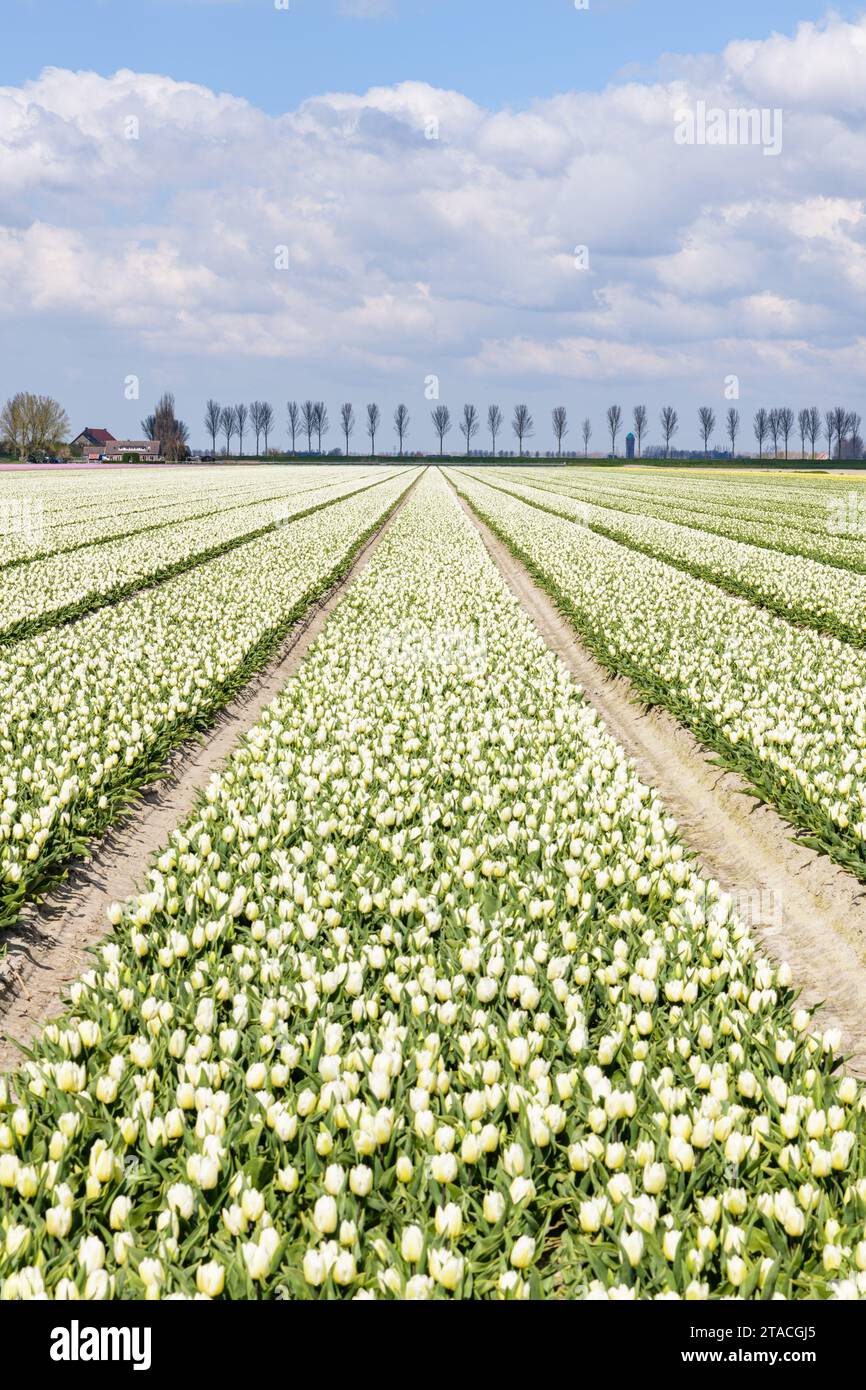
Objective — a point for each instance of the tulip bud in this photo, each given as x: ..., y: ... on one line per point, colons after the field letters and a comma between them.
x: 334, y: 1179
x: 654, y: 1177
x: 314, y: 1268
x: 58, y: 1221
x: 210, y: 1279
x: 590, y: 1216
x: 360, y: 1180
x: 257, y: 1261
x: 736, y: 1271
x: 325, y: 1215
x: 287, y: 1179
x: 523, y: 1252
x: 120, y: 1209
x: 444, y: 1167
x: 670, y: 1242
x: 91, y: 1253
x: 57, y: 1146
x: 632, y: 1245
x: 494, y: 1207
x: 449, y: 1221
x: 344, y: 1268
x: 412, y: 1244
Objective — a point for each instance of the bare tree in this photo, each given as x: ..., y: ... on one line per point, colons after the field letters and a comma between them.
x: 586, y: 431
x: 707, y: 419
x: 213, y: 421
x: 308, y: 416
x: 469, y: 425
x: 814, y: 427
x: 854, y: 423
x: 241, y: 417
x: 266, y: 420
x: 829, y: 430
x: 774, y: 425
x: 761, y: 426
x: 670, y: 422
x: 228, y: 425
x: 560, y: 427
x: 374, y: 415
x: 523, y: 425
x: 322, y: 423
x: 639, y: 417
x: 293, y: 415
x: 401, y: 424
x: 786, y: 424
x: 256, y: 422
x: 441, y: 418
x: 803, y: 427
x: 614, y: 422
x: 733, y: 428
x: 164, y: 425
x: 494, y: 424
x: 347, y: 421
x: 840, y: 427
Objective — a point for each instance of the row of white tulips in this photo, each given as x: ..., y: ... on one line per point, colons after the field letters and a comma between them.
x: 832, y: 533
x: 44, y: 514
x: 784, y: 703
x: 830, y: 599
x: 42, y: 592
x: 92, y: 708
x: 426, y: 1000
x: 744, y: 495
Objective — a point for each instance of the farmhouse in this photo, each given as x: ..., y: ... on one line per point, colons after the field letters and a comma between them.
x: 89, y: 440
x: 146, y: 449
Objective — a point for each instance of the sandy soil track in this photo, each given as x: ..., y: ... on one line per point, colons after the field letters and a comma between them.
x: 803, y: 908
x: 48, y: 947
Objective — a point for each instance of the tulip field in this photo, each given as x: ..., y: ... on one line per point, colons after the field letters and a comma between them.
x: 84, y: 569
x: 92, y: 708
x: 427, y: 999
x: 782, y: 701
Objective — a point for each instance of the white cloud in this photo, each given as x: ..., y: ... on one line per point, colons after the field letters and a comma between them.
x: 453, y: 255
x: 820, y: 68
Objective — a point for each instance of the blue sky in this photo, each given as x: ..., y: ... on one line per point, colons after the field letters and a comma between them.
x: 418, y: 264
x: 499, y: 52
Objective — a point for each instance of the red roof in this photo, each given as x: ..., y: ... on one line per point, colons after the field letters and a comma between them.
x: 100, y: 436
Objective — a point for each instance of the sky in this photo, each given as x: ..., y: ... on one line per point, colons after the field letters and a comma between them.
x: 433, y: 201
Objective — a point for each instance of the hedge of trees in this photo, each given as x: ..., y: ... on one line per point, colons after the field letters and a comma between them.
x: 31, y: 425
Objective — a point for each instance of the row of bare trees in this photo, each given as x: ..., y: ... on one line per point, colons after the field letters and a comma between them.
x: 669, y: 421
x: 237, y: 420
x: 522, y: 424
x: 309, y: 421
x: 840, y: 427
x: 312, y: 418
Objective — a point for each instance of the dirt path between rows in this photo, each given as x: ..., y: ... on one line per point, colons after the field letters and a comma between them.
x: 48, y: 948
x: 802, y: 907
